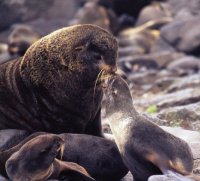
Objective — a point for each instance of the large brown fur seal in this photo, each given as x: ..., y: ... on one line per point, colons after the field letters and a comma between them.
x: 36, y: 160
x: 146, y: 149
x: 52, y: 87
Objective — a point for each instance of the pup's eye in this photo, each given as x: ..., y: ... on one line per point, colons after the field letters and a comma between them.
x: 43, y: 151
x: 114, y: 91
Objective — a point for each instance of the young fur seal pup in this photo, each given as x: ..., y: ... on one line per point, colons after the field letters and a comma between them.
x: 145, y: 148
x: 55, y: 87
x: 36, y: 160
x: 99, y: 156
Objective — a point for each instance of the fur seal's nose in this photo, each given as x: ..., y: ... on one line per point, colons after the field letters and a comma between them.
x: 111, y: 69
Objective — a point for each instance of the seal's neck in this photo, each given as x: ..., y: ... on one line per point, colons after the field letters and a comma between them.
x: 120, y: 123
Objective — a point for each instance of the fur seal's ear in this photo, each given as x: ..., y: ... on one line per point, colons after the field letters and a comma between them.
x: 75, y: 171
x: 81, y: 47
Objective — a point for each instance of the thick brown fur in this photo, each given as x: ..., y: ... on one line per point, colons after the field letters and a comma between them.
x: 145, y: 147
x: 51, y: 87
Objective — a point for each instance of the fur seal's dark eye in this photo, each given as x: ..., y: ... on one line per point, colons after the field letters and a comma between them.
x: 97, y: 56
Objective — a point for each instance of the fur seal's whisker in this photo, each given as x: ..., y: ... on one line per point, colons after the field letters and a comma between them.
x: 62, y: 151
x: 95, y: 85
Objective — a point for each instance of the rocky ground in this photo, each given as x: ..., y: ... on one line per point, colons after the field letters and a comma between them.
x: 159, y: 47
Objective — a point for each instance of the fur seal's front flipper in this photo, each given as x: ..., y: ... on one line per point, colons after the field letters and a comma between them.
x: 70, y: 170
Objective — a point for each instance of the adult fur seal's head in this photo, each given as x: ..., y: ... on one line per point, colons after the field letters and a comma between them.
x: 35, y: 158
x: 118, y: 96
x: 77, y: 53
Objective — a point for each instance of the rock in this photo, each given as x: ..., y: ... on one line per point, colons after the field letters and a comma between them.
x: 142, y: 78
x: 140, y: 41
x: 161, y: 84
x: 128, y: 177
x: 152, y: 82
x: 92, y: 13
x: 188, y: 64
x: 21, y: 38
x: 3, y: 48
x: 182, y: 97
x: 3, y: 178
x: 183, y: 14
x: 10, y: 137
x: 187, y: 116
x: 44, y: 27
x: 191, y: 137
x: 126, y: 6
x: 161, y: 45
x: 154, y: 60
x: 5, y: 57
x: 4, y: 54
x: 193, y: 140
x: 16, y: 11
x: 125, y: 21
x: 21, y: 11
x: 191, y: 6
x: 170, y: 177
x: 195, y: 145
x: 130, y: 50
x: 163, y: 101
x: 154, y: 12
x: 180, y: 35
x: 196, y: 169
x: 190, y: 81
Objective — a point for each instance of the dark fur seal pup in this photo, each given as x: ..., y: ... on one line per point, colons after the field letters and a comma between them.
x: 52, y: 88
x: 146, y: 149
x: 36, y: 160
x: 100, y: 157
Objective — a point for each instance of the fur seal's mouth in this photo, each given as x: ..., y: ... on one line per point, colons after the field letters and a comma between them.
x: 102, y: 77
x: 109, y: 81
x: 109, y: 69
